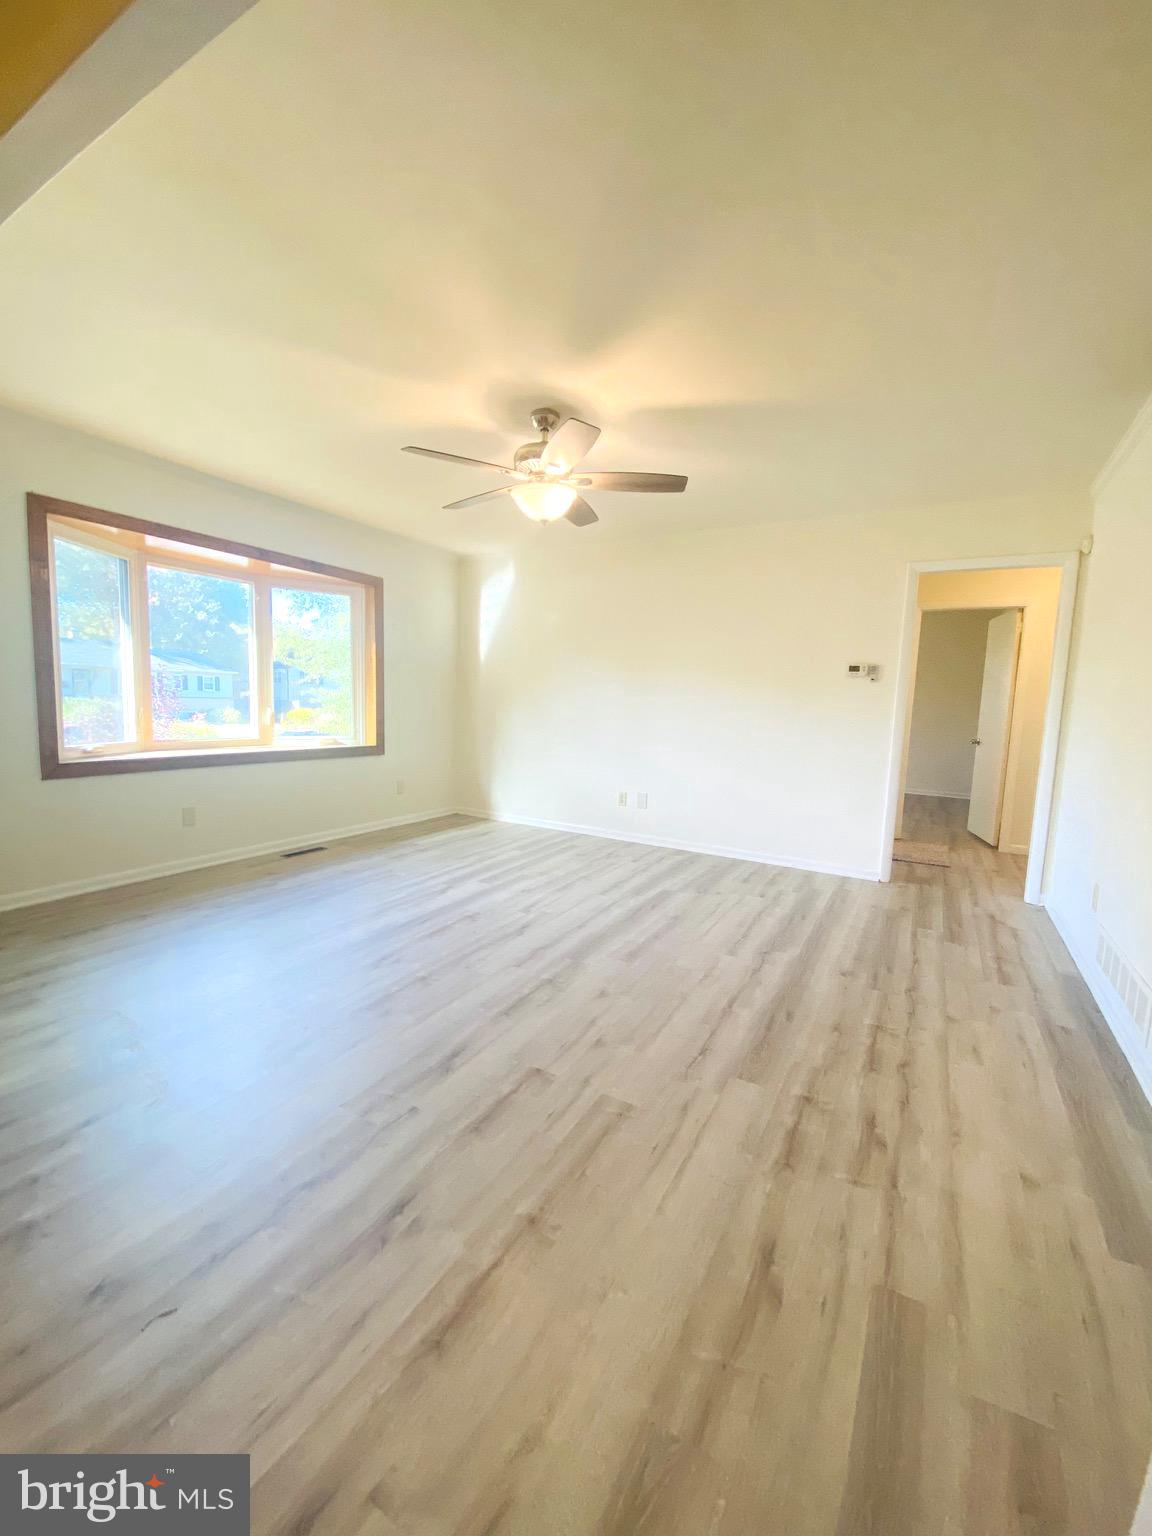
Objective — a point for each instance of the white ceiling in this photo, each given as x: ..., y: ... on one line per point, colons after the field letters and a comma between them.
x: 820, y: 257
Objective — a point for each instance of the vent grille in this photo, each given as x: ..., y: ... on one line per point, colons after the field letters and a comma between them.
x: 1129, y: 986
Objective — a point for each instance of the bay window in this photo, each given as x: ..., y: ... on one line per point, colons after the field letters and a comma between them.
x: 161, y: 648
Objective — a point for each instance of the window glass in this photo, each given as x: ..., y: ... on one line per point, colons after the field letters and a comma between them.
x: 313, y: 683
x: 200, y: 637
x: 96, y: 702
x: 160, y: 648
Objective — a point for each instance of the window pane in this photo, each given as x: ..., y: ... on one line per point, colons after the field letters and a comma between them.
x: 312, y: 666
x: 200, y: 634
x: 96, y: 701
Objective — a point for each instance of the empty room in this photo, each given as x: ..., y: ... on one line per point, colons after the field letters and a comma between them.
x: 576, y: 770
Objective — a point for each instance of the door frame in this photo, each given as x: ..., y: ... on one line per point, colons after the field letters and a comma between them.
x: 1068, y: 563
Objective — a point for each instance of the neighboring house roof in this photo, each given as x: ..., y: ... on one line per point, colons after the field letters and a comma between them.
x: 88, y: 653
x: 173, y: 661
x: 105, y: 653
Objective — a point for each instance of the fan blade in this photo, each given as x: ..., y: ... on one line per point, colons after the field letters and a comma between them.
x: 581, y: 513
x: 474, y: 501
x: 629, y: 480
x: 458, y: 458
x: 571, y: 441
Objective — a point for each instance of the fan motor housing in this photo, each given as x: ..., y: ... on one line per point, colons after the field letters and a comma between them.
x: 528, y: 457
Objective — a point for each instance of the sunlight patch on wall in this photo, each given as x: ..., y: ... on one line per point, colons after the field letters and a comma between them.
x: 494, y: 595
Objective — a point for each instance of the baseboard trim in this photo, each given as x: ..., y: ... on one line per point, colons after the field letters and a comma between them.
x: 36, y: 897
x: 1106, y: 1000
x: 715, y: 849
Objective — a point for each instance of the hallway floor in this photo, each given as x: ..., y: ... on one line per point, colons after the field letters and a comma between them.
x: 940, y: 819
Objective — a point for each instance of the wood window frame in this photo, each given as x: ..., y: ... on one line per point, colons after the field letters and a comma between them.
x: 269, y: 567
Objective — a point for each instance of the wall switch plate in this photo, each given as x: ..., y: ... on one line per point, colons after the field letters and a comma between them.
x: 1095, y: 898
x: 400, y: 786
x: 642, y: 800
x: 622, y: 797
x: 188, y: 816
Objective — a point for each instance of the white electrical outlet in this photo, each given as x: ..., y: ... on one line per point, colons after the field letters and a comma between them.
x: 622, y: 797
x: 641, y: 799
x: 188, y: 816
x: 400, y: 786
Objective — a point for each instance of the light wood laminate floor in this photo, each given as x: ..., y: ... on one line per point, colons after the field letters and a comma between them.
x: 480, y: 1179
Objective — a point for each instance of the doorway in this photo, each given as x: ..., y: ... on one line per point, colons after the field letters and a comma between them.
x: 957, y: 789
x: 962, y: 715
x: 979, y: 692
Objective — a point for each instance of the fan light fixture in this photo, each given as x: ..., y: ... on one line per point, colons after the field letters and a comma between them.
x: 542, y: 502
x: 544, y: 486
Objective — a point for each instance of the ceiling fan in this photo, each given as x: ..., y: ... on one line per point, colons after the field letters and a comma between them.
x: 544, y: 486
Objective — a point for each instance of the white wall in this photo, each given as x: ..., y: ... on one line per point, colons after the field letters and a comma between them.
x: 708, y: 670
x: 1103, y: 815
x: 1037, y: 592
x: 946, y: 702
x: 75, y: 831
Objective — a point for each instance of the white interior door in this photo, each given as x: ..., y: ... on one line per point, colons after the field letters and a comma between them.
x: 1000, y: 660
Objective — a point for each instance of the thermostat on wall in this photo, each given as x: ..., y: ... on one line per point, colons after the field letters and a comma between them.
x: 868, y: 669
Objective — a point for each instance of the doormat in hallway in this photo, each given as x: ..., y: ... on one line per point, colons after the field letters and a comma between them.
x: 908, y: 850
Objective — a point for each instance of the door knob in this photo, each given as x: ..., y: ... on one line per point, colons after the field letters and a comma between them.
x: 975, y: 741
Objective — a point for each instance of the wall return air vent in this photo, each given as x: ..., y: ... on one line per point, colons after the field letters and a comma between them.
x: 1131, y: 989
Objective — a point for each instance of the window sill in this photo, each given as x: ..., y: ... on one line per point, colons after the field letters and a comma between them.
x: 214, y: 757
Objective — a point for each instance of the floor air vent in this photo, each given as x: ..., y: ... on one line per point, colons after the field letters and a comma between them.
x: 1129, y: 986
x: 298, y: 853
